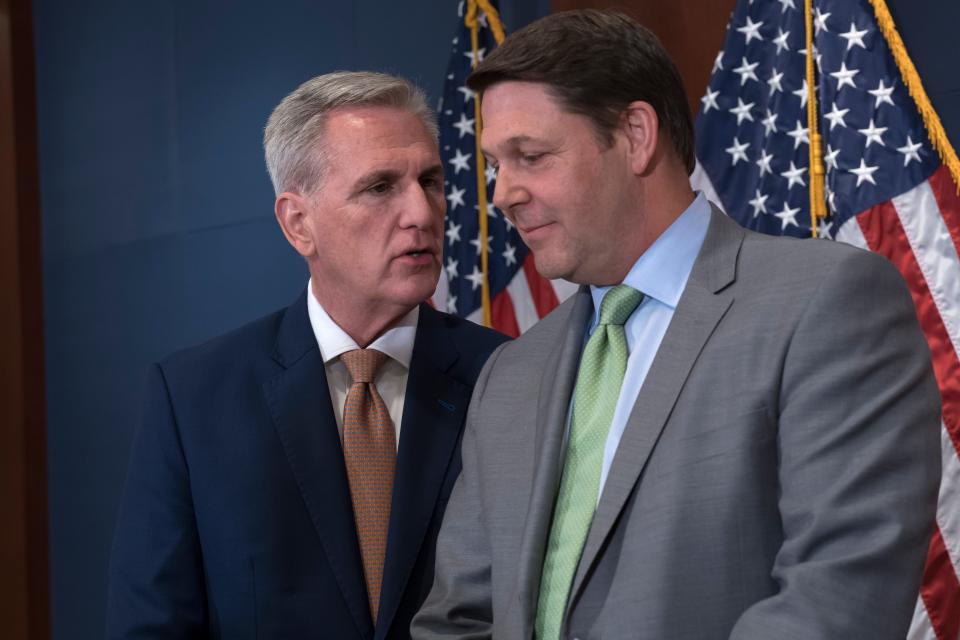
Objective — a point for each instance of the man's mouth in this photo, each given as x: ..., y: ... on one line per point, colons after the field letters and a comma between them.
x: 533, y: 228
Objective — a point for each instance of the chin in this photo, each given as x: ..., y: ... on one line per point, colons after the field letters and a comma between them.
x: 551, y: 267
x: 417, y: 289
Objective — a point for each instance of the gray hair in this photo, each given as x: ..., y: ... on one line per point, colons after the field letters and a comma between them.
x: 293, y: 139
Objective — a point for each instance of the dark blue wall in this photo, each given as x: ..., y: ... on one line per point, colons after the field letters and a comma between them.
x: 929, y: 29
x: 158, y: 225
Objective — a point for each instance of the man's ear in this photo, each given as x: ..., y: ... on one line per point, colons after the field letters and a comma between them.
x: 642, y: 128
x: 292, y: 211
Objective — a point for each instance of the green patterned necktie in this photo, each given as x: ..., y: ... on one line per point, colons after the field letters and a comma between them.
x: 601, y: 372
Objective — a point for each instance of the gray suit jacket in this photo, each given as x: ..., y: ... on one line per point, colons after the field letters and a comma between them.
x: 777, y: 478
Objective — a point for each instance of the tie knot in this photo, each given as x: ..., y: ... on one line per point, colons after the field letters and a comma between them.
x: 618, y: 304
x: 363, y: 363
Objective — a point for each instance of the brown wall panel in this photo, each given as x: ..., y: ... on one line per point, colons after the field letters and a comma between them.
x: 691, y: 30
x: 24, y: 582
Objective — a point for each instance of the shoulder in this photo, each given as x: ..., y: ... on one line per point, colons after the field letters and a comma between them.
x: 466, y: 333
x: 806, y: 265
x: 530, y: 351
x: 244, y: 348
x: 472, y: 342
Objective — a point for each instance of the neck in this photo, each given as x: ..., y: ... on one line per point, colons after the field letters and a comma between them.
x: 363, y: 324
x: 656, y: 209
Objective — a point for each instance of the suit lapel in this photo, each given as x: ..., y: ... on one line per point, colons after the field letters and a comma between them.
x: 433, y: 412
x: 556, y: 388
x: 299, y: 401
x: 703, y: 304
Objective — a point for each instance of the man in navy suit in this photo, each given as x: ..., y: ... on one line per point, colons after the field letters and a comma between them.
x: 289, y: 478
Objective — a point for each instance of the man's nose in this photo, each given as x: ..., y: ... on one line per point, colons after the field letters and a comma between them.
x: 421, y: 208
x: 508, y: 192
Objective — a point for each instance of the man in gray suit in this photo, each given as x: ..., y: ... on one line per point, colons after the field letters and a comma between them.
x: 722, y: 434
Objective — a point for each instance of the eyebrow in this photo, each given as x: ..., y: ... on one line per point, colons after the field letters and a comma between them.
x: 433, y: 170
x: 512, y: 141
x: 377, y: 175
x: 392, y: 175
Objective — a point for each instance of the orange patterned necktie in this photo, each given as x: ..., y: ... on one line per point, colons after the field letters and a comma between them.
x: 370, y: 453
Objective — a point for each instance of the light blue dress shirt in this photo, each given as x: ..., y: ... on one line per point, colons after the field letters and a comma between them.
x: 661, y: 274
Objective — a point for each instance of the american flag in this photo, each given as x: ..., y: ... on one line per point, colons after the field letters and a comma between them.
x: 519, y: 296
x: 886, y: 191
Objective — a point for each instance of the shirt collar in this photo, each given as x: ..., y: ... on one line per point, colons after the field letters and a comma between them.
x: 662, y: 271
x: 396, y: 342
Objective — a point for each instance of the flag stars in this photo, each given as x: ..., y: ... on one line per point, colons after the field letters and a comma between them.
x: 758, y: 203
x: 452, y: 268
x: 718, y: 62
x: 451, y: 304
x: 742, y: 111
x: 786, y: 4
x: 460, y: 161
x: 751, y: 30
x: 864, y: 173
x: 709, y: 101
x: 764, y: 162
x: 453, y: 233
x: 787, y: 216
x: 476, y: 243
x: 910, y: 151
x: 490, y: 173
x: 824, y: 227
x: 803, y: 93
x: 882, y: 94
x: 491, y: 210
x: 774, y: 82
x: 874, y: 134
x: 830, y: 158
x: 854, y: 37
x: 794, y: 176
x: 769, y: 123
x: 465, y: 125
x: 800, y: 135
x: 738, y: 151
x: 509, y: 255
x: 475, y: 278
x: 455, y: 197
x: 475, y: 59
x: 467, y: 94
x: 820, y: 20
x: 836, y: 116
x: 747, y: 71
x: 781, y: 41
x: 845, y: 76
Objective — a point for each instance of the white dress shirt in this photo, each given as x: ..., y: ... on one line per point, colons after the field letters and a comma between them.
x: 391, y: 379
x: 661, y: 274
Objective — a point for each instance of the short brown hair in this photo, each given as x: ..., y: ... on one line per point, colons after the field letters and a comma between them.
x: 595, y: 63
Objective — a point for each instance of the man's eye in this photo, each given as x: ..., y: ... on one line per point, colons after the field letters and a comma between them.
x: 531, y: 158
x: 430, y: 182
x: 380, y: 187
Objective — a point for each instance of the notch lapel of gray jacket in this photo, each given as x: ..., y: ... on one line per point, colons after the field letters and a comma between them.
x: 704, y: 302
x: 552, y: 404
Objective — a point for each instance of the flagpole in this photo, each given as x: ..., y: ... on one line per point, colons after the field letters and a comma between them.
x: 471, y: 20
x: 818, y: 206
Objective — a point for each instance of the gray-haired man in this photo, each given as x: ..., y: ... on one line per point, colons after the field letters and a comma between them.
x: 289, y: 478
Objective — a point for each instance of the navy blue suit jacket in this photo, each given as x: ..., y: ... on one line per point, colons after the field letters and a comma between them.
x: 236, y: 520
